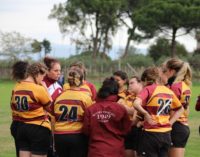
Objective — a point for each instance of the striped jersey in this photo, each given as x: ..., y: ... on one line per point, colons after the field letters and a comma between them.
x: 69, y: 110
x: 54, y: 88
x: 27, y: 103
x: 158, y: 100
x: 86, y: 87
x: 183, y: 92
x: 126, y: 98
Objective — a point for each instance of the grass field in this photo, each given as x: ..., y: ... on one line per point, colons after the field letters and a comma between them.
x: 7, y: 144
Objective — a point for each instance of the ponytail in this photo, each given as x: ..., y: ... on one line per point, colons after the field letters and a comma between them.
x: 184, y: 74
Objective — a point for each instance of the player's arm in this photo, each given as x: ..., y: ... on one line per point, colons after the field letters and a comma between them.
x: 138, y: 106
x: 45, y: 98
x: 130, y: 110
x: 177, y: 110
x: 176, y: 115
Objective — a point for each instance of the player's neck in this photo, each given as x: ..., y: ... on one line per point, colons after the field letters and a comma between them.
x: 29, y: 79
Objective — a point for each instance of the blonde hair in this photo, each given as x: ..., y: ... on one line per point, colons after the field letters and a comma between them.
x: 184, y: 74
x: 183, y: 70
x: 75, y: 77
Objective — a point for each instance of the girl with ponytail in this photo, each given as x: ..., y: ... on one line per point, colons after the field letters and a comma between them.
x: 179, y: 76
x: 68, y: 110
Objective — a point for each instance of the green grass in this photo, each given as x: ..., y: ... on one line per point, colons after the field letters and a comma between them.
x: 6, y: 141
x: 7, y: 144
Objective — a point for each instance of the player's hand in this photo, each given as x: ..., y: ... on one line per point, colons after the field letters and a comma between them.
x: 149, y: 119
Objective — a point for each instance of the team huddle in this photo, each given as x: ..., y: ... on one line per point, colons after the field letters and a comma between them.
x: 144, y: 116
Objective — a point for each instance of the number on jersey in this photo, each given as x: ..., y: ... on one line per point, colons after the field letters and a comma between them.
x: 22, y: 103
x: 68, y: 115
x: 164, y: 106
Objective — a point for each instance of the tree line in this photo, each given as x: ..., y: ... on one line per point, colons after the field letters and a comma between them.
x: 97, y: 21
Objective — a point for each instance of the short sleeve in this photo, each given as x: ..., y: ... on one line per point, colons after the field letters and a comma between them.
x: 144, y: 96
x: 176, y: 88
x: 43, y: 96
x: 176, y: 104
x: 88, y: 101
x: 93, y: 90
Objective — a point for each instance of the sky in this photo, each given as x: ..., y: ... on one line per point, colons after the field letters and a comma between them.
x: 30, y: 18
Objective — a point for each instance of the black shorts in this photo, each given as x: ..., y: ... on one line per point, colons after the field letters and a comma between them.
x: 71, y: 145
x: 154, y: 144
x: 132, y: 138
x: 14, y: 129
x: 179, y: 134
x: 34, y: 138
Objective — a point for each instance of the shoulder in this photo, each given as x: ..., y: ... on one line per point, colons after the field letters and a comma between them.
x: 66, y: 86
x: 39, y: 88
x: 149, y: 89
x: 89, y: 84
x: 176, y: 85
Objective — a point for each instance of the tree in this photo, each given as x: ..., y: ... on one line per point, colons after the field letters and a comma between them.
x: 47, y: 46
x: 127, y: 14
x: 169, y: 17
x: 97, y: 17
x: 15, y: 46
x: 36, y: 45
x: 197, y: 36
x: 39, y: 46
x: 162, y: 49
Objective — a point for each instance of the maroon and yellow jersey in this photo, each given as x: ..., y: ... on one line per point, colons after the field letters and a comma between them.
x: 183, y: 92
x: 69, y: 110
x: 54, y: 88
x: 84, y: 88
x: 126, y: 99
x: 123, y: 94
x: 27, y: 103
x: 158, y: 101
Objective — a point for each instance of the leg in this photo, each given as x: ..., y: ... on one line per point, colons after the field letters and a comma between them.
x: 129, y: 153
x: 174, y: 152
x: 24, y: 153
x: 179, y: 134
x: 14, y: 129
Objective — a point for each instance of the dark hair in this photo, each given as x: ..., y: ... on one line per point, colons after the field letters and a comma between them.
x: 109, y: 87
x: 135, y: 77
x: 19, y: 70
x: 49, y: 62
x: 75, y: 77
x: 36, y: 68
x: 79, y: 65
x: 150, y: 75
x: 121, y: 74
